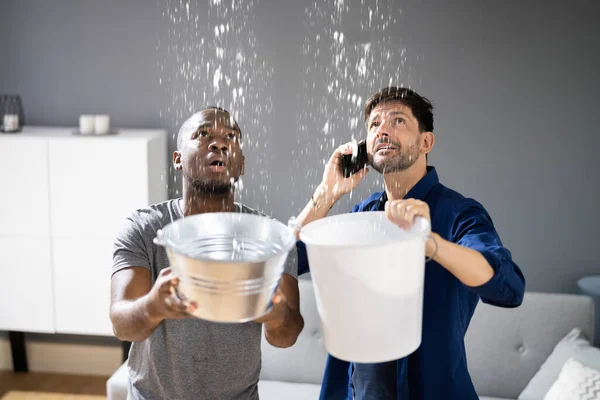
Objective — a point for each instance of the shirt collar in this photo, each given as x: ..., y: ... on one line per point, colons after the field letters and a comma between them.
x: 419, y: 191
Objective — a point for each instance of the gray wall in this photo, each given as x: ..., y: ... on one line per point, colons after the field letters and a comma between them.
x: 515, y: 86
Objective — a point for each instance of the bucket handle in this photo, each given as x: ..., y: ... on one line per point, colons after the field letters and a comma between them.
x: 159, y: 239
x: 294, y: 227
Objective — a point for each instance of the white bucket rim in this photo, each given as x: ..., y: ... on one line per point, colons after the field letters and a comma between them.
x: 306, y: 238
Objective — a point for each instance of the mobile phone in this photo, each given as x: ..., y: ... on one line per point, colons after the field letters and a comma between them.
x: 352, y: 163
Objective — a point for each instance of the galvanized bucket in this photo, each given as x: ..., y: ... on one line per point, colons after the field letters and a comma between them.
x: 230, y: 264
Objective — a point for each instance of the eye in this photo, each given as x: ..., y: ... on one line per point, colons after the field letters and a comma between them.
x: 374, y: 124
x: 200, y: 134
x: 399, y: 121
x: 231, y: 136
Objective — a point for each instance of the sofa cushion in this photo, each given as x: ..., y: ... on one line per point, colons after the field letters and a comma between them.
x: 573, y: 345
x: 575, y: 381
x: 505, y: 347
x: 304, y: 362
x: 274, y: 390
x: 117, y: 384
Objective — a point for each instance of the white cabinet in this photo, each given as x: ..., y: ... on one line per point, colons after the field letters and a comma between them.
x: 82, y: 285
x: 25, y: 268
x: 24, y: 203
x: 95, y: 184
x: 26, y: 287
x: 64, y: 198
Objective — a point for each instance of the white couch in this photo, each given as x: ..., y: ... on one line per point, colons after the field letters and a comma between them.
x: 505, y: 347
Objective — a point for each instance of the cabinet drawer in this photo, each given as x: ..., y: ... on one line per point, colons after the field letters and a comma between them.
x: 95, y: 184
x: 26, y: 298
x: 82, y: 285
x: 24, y: 204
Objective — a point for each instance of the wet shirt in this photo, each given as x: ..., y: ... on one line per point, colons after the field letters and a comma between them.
x: 438, y: 368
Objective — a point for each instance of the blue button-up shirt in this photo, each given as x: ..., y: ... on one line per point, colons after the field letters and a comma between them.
x: 438, y: 368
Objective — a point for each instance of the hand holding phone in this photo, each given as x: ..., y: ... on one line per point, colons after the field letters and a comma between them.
x: 352, y: 163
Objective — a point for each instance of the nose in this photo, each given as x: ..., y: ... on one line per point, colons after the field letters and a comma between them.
x: 218, y: 144
x: 381, y: 131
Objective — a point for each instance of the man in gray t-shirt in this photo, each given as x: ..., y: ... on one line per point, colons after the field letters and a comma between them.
x: 174, y: 355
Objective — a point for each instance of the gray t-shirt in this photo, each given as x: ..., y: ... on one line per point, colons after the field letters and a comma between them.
x: 189, y: 358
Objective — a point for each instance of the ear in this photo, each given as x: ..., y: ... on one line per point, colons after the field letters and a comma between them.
x: 243, y: 163
x: 177, y: 160
x: 428, y: 142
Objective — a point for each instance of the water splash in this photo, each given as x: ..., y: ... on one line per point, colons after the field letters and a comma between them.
x: 212, y: 58
x: 349, y: 54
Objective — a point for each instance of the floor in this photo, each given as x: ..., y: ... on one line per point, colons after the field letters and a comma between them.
x: 49, y: 382
x: 16, y: 395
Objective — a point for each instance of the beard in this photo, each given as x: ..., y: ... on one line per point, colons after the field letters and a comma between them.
x: 210, y: 187
x: 403, y: 160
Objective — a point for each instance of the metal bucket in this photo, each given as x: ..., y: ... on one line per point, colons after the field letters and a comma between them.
x: 230, y: 264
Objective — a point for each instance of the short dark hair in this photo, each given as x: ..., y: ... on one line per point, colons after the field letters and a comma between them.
x: 186, y: 127
x: 420, y: 106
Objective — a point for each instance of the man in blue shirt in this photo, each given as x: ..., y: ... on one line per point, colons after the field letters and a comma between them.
x: 469, y: 261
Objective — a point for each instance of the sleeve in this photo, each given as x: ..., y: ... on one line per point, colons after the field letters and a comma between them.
x: 303, y: 267
x: 291, y: 263
x: 473, y: 228
x: 129, y: 249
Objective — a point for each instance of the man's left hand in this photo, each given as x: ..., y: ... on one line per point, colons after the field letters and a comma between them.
x: 278, y: 313
x: 403, y: 212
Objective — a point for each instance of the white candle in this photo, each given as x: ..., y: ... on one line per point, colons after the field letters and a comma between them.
x: 11, y: 122
x: 86, y: 124
x: 102, y: 124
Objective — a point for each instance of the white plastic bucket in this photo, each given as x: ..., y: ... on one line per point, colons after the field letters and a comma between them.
x: 368, y: 276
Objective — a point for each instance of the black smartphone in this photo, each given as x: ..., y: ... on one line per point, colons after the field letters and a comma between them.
x: 352, y: 163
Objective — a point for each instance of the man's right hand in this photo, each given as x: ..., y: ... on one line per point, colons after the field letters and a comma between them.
x: 332, y: 188
x: 334, y: 184
x: 163, y: 301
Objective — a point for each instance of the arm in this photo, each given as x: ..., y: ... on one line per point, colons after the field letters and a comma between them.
x: 137, y: 307
x: 128, y: 304
x: 477, y: 259
x: 475, y: 231
x: 329, y: 191
x: 323, y: 202
x: 332, y: 187
x: 466, y: 264
x: 284, y: 322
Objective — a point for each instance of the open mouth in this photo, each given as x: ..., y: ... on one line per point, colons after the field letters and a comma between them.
x: 385, y: 148
x: 217, y: 163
